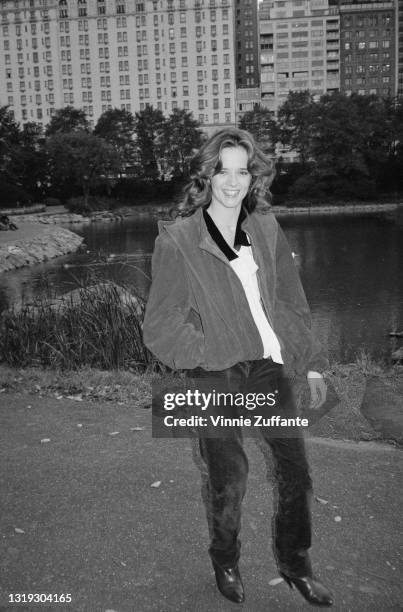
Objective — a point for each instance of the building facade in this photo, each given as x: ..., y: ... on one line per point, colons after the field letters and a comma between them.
x: 300, y: 49
x: 246, y: 44
x: 104, y: 54
x: 399, y: 47
x: 368, y: 48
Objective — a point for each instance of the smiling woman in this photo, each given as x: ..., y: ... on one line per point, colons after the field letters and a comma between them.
x: 227, y: 306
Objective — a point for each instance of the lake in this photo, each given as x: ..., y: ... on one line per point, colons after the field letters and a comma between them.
x: 350, y: 265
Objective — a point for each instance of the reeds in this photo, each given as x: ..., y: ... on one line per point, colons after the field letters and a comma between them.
x: 99, y: 328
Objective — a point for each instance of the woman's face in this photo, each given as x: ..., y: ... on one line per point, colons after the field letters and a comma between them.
x: 231, y: 184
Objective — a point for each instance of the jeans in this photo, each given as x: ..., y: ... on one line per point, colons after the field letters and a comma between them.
x: 227, y: 472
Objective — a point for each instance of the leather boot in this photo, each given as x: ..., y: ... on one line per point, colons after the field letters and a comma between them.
x: 311, y: 589
x: 229, y: 583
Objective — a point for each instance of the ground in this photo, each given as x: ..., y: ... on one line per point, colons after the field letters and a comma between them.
x: 92, y: 505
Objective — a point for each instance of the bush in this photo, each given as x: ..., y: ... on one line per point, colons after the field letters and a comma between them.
x: 10, y: 195
x: 102, y: 330
x: 135, y: 191
x: 49, y: 201
x: 307, y: 187
x: 79, y: 206
x: 331, y: 188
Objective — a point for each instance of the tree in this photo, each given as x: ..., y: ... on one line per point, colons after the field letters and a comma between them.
x: 9, y: 139
x: 30, y: 162
x: 84, y: 159
x: 180, y: 138
x: 22, y: 161
x: 117, y: 127
x: 336, y: 141
x: 149, y: 129
x: 260, y: 123
x: 67, y: 120
x: 295, y: 119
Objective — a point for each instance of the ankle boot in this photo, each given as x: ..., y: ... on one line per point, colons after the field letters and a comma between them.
x: 311, y: 589
x: 229, y: 583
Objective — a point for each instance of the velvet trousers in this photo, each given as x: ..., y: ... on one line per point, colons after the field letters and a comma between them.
x: 227, y: 470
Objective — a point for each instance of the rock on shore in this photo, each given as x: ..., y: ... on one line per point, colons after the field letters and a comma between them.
x: 33, y: 243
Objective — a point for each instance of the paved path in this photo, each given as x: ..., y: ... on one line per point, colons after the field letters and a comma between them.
x: 93, y: 526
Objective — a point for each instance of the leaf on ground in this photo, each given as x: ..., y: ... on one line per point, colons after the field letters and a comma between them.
x: 137, y: 428
x: 156, y: 484
x: 321, y: 500
x: 44, y: 440
x: 275, y: 581
x: 18, y: 530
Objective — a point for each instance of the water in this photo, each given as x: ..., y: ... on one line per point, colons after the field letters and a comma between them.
x: 350, y: 267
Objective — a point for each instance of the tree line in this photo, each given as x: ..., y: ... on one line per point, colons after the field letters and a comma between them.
x: 343, y: 147
x: 69, y: 158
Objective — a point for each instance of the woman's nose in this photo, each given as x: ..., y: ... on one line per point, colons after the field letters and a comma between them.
x: 232, y: 178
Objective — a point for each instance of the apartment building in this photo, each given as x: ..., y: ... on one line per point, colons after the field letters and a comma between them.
x: 246, y: 44
x: 103, y: 54
x: 368, y: 48
x: 247, y: 64
x: 399, y: 41
x: 299, y: 43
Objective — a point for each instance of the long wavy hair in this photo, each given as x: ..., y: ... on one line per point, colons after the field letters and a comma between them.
x: 207, y: 162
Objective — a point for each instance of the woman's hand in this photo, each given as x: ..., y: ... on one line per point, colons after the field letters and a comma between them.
x: 318, y: 389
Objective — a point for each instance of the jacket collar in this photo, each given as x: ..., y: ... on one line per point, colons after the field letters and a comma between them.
x: 208, y: 243
x: 240, y: 236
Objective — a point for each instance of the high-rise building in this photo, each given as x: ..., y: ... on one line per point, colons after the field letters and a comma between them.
x: 246, y: 55
x: 368, y: 48
x: 101, y: 54
x: 399, y: 39
x: 246, y: 43
x: 299, y: 43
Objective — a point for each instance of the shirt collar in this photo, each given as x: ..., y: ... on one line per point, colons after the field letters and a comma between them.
x: 241, y: 238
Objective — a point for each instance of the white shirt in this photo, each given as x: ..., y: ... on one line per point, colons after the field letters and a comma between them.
x: 245, y: 268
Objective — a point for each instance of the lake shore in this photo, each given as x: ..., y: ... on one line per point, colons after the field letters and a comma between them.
x: 33, y: 243
x: 60, y: 214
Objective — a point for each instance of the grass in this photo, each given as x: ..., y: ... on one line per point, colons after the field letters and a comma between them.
x: 89, y: 346
x: 99, y: 326
x: 134, y: 388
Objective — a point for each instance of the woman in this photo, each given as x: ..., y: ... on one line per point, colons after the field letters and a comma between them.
x: 226, y: 304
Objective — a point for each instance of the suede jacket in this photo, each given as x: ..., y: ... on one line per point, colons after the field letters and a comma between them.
x: 197, y: 313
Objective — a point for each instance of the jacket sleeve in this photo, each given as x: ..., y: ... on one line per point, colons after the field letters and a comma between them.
x: 169, y: 328
x: 292, y: 313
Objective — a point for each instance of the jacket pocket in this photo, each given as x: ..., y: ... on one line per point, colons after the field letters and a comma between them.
x: 194, y: 319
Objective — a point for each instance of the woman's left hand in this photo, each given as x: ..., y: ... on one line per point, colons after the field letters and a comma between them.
x: 318, y: 389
